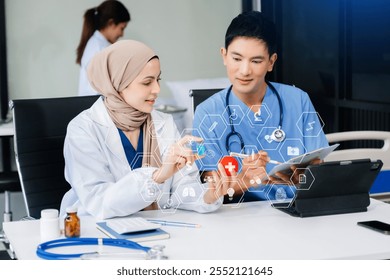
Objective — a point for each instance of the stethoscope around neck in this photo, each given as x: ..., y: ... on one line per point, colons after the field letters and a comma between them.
x: 277, y: 135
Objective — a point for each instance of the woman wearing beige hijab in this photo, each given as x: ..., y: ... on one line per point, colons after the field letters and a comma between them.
x: 121, y: 156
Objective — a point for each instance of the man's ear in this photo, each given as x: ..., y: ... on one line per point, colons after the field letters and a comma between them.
x: 272, y: 61
x: 223, y: 54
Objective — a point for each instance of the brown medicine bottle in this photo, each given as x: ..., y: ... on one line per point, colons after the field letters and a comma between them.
x: 72, y: 223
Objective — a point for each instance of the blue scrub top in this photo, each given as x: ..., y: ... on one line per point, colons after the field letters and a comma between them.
x: 301, y: 124
x: 134, y: 157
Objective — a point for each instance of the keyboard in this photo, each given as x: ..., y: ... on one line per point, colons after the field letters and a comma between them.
x: 128, y: 225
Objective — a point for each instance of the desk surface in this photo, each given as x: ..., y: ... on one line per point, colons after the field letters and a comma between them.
x: 253, y: 231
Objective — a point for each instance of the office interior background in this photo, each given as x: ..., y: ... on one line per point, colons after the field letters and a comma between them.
x: 39, y: 41
x: 336, y: 50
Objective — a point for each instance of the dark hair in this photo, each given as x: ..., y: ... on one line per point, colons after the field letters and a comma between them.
x: 98, y: 18
x: 252, y: 24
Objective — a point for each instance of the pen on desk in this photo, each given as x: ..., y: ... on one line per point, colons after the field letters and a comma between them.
x: 233, y: 154
x: 175, y: 224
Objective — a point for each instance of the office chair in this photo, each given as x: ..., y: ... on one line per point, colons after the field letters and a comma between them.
x: 9, y: 182
x: 9, y: 179
x: 40, y: 129
x: 381, y: 187
x: 200, y: 95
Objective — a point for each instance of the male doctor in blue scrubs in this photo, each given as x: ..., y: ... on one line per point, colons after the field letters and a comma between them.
x: 255, y: 117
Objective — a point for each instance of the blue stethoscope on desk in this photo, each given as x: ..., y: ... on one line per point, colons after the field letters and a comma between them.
x: 42, y: 250
x: 277, y: 135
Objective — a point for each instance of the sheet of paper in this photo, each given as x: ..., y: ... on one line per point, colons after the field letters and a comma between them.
x: 302, y: 160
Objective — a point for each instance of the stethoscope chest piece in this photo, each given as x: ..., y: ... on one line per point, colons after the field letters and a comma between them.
x: 278, y: 135
x: 157, y: 253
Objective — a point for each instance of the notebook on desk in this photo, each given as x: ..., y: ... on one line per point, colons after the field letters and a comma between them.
x: 336, y: 187
x: 134, y: 229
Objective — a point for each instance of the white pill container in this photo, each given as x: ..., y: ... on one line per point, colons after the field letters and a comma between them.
x: 49, y: 225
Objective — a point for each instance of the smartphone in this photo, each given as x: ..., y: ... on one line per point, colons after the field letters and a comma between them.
x: 377, y: 226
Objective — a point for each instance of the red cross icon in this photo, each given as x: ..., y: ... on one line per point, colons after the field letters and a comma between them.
x: 229, y: 164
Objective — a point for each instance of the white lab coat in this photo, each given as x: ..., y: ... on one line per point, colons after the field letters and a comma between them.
x: 95, y: 44
x: 103, y: 184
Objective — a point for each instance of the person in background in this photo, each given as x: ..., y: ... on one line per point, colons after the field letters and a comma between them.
x: 121, y: 155
x: 103, y: 26
x: 263, y: 120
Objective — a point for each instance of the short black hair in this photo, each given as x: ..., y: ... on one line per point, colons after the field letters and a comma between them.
x: 252, y: 24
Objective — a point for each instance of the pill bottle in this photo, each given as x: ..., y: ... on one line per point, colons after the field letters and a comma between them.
x: 72, y: 223
x: 49, y: 225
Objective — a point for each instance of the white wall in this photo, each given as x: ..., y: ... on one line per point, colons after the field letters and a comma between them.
x: 42, y: 36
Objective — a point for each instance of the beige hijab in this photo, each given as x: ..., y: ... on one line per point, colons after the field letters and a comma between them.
x: 110, y: 72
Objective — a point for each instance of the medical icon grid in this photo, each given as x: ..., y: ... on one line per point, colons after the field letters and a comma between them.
x: 258, y: 115
x: 287, y: 149
x: 291, y: 147
x: 169, y: 202
x: 313, y: 124
x: 209, y: 150
x: 235, y: 116
x: 150, y: 190
x: 161, y: 124
x: 232, y: 193
x: 265, y: 139
x: 215, y: 127
x: 169, y: 150
x: 257, y: 182
x: 230, y: 165
x: 191, y: 193
x: 277, y: 195
x: 251, y: 151
x: 140, y: 155
x: 305, y: 178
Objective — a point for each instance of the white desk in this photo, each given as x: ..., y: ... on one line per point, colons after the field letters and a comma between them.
x: 254, y: 231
